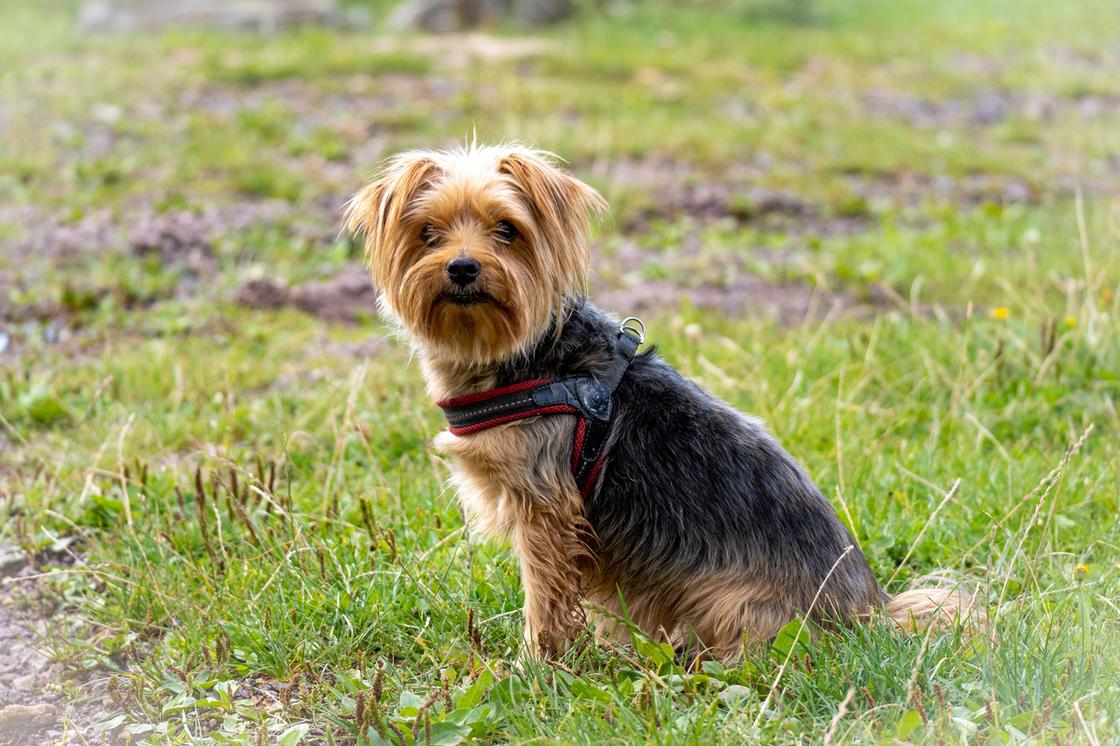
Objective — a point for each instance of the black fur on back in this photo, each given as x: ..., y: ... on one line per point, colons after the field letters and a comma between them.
x: 691, y: 486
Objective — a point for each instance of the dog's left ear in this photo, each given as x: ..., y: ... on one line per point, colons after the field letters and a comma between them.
x: 561, y: 204
x: 379, y: 208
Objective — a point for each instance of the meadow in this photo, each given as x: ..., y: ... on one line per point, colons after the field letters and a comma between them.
x: 891, y: 230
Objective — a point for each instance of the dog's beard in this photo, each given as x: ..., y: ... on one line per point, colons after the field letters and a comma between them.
x: 473, y: 329
x: 470, y: 326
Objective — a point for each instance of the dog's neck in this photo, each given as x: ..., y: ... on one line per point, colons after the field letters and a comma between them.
x: 447, y: 377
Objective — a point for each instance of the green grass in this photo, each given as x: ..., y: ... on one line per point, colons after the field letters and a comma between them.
x: 250, y: 531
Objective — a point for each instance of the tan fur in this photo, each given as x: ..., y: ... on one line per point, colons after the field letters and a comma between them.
x: 513, y: 481
x: 714, y: 614
x: 937, y: 609
x: 514, y: 484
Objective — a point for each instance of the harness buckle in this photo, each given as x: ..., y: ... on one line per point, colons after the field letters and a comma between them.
x: 635, y: 326
x: 594, y: 398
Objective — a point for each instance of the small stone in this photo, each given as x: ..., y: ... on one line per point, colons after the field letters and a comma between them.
x: 12, y: 558
x: 26, y: 717
x: 141, y: 15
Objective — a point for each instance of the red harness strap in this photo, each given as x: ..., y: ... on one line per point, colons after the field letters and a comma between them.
x: 487, y: 409
x: 585, y: 395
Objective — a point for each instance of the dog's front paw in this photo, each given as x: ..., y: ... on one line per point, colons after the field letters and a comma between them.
x: 549, y: 642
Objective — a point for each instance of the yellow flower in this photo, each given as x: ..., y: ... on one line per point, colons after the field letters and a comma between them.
x: 1071, y: 321
x: 1081, y: 572
x: 1002, y: 313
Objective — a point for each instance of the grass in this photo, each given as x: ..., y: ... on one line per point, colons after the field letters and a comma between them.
x: 250, y: 536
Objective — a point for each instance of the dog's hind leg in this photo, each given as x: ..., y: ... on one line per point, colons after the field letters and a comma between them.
x: 615, y: 612
x: 721, y: 613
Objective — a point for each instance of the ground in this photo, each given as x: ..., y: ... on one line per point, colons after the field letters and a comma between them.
x: 889, y: 229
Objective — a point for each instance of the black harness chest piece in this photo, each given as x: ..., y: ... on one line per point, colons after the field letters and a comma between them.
x: 588, y: 396
x: 594, y: 399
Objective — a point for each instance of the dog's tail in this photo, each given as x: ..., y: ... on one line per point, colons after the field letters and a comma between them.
x: 938, y: 608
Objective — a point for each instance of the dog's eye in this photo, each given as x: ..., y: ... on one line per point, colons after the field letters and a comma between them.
x: 428, y: 234
x: 505, y: 231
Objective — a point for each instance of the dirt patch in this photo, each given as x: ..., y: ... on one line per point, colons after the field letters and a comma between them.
x: 900, y: 190
x: 985, y: 108
x: 46, y: 245
x: 723, y: 282
x: 1087, y: 62
x: 988, y: 107
x: 460, y: 50
x: 182, y: 237
x: 748, y: 295
x: 764, y: 209
x: 352, y: 106
x: 33, y: 705
x: 717, y: 200
x: 52, y: 236
x: 347, y: 297
x: 673, y: 190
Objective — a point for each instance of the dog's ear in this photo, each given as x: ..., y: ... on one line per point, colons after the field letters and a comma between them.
x: 560, y: 203
x: 377, y: 210
x: 562, y: 207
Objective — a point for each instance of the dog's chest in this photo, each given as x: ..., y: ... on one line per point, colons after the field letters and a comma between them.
x: 500, y: 474
x: 489, y: 506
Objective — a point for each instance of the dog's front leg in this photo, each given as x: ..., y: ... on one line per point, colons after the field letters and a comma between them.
x: 551, y: 542
x: 516, y: 483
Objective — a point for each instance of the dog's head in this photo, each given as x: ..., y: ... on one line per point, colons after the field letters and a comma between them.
x: 475, y: 251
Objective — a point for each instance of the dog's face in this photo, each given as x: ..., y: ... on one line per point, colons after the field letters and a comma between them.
x: 474, y: 251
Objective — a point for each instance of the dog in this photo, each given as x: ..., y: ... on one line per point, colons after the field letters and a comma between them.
x: 687, y: 519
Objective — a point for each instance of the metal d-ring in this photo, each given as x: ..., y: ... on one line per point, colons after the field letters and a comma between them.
x: 628, y: 325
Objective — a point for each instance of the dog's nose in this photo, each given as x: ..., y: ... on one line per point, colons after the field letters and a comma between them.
x: 463, y: 271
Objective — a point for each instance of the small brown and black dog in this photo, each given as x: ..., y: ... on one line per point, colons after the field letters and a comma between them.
x: 692, y: 522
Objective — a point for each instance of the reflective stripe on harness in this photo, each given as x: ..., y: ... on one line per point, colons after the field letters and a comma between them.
x: 586, y: 396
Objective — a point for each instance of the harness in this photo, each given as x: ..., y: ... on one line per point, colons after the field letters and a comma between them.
x: 584, y: 395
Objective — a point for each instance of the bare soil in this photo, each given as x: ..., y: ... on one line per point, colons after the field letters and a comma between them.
x: 182, y: 239
x: 723, y: 283
x: 346, y: 297
x: 41, y: 700
x: 749, y: 295
x: 988, y: 108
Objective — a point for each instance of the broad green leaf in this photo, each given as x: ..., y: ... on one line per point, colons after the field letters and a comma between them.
x: 909, y: 723
x: 448, y: 734
x: 586, y: 690
x: 474, y: 693
x: 293, y: 735
x: 410, y: 704
x: 793, y: 635
x: 376, y: 739
x: 734, y: 694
